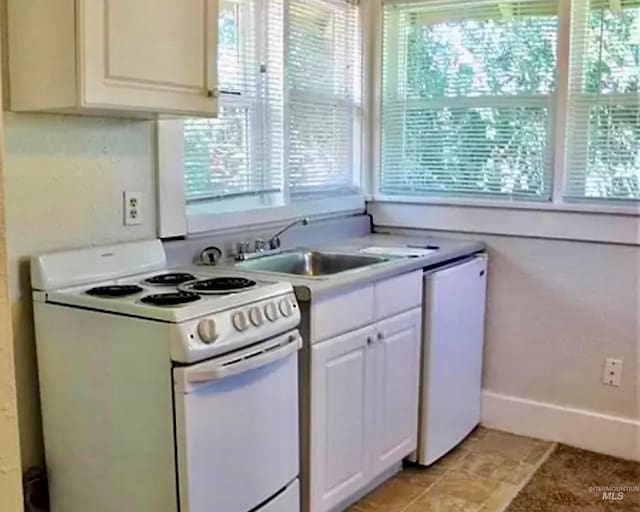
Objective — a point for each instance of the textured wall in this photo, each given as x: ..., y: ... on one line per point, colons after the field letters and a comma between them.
x: 10, y: 473
x: 10, y: 470
x: 556, y: 309
x: 64, y: 178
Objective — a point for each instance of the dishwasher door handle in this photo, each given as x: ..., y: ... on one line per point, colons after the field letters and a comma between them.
x: 241, y: 362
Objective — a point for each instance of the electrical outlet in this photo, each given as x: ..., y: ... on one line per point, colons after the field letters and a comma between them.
x: 132, y: 207
x: 612, y: 372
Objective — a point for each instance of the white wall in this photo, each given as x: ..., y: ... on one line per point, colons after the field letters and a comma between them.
x: 10, y: 467
x: 64, y: 178
x: 556, y: 310
x: 10, y: 471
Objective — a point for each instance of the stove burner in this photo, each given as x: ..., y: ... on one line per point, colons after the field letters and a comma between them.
x: 221, y: 285
x: 170, y: 299
x: 114, y: 290
x: 171, y: 279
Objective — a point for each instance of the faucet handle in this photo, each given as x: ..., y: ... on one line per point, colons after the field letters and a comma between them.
x: 259, y: 244
x: 274, y: 243
x: 242, y: 248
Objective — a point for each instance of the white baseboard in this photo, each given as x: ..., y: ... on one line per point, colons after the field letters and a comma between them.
x: 611, y: 435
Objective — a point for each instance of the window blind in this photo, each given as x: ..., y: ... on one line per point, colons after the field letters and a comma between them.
x: 237, y: 155
x: 467, y: 98
x: 603, y: 143
x: 324, y: 81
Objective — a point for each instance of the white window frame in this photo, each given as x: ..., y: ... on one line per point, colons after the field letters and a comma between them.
x: 558, y: 203
x: 313, y: 98
x: 174, y: 218
x: 582, y: 11
x: 479, y: 101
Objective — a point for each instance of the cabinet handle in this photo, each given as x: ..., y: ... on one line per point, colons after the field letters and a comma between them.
x: 369, y: 340
x: 212, y: 93
x: 380, y: 336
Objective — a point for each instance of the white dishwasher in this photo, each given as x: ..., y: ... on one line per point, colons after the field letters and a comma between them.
x: 453, y: 337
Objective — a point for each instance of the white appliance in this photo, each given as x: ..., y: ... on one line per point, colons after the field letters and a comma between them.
x: 165, y: 391
x: 453, y: 337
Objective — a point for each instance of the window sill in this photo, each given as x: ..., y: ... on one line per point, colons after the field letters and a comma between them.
x: 589, y: 223
x: 325, y: 207
x: 547, y: 206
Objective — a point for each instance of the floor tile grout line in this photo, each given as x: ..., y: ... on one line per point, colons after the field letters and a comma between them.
x: 518, y: 487
x: 426, y: 490
x: 522, y: 483
x: 505, y: 491
x: 528, y: 478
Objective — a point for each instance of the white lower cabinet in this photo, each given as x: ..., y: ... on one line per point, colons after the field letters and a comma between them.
x: 341, y: 417
x: 396, y: 385
x: 364, y: 406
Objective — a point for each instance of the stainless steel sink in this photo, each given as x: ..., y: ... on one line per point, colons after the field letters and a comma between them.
x: 310, y: 263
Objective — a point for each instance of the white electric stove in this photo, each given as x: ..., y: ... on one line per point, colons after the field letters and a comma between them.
x: 165, y: 390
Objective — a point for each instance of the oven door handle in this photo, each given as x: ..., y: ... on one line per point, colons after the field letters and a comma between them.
x: 233, y: 365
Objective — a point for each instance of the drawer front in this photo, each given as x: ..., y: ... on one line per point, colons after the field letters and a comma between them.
x: 397, y: 294
x: 342, y: 313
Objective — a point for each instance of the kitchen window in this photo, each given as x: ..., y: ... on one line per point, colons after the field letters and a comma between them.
x: 287, y: 140
x: 477, y: 98
x: 324, y: 84
x: 604, y: 108
x: 228, y: 160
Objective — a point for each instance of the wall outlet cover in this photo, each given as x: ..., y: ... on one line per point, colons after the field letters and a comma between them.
x: 132, y: 208
x: 612, y: 372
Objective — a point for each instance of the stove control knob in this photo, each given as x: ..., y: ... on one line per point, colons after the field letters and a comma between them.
x: 207, y: 330
x: 285, y: 307
x: 271, y: 312
x: 240, y: 321
x: 255, y: 315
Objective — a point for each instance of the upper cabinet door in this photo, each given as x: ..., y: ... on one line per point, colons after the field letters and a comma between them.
x: 127, y: 58
x: 397, y: 367
x: 156, y: 55
x: 340, y: 418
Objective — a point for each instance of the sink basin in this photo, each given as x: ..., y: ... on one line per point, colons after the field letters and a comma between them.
x: 310, y: 263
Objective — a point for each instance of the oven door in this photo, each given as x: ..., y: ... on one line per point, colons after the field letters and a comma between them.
x: 237, y: 427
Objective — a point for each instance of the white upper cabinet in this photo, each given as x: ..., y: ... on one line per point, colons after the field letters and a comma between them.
x: 132, y: 58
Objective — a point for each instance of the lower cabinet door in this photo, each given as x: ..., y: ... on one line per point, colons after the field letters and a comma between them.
x: 397, y: 368
x: 340, y: 418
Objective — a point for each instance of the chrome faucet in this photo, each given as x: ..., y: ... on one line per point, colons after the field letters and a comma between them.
x: 243, y: 252
x: 274, y: 241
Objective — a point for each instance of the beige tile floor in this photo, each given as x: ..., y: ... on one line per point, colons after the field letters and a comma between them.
x: 483, y: 474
